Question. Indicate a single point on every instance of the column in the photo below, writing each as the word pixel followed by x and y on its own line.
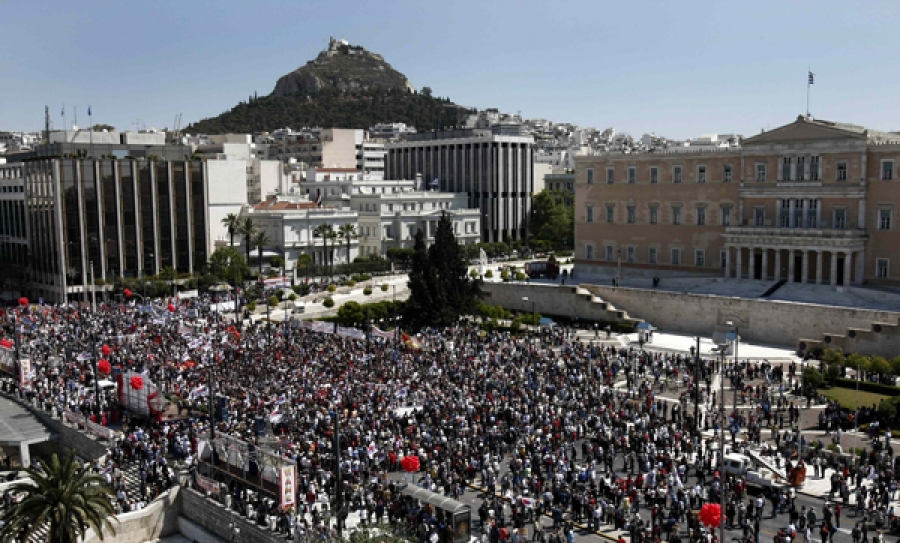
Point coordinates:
pixel 833 278
pixel 751 269
pixel 727 262
pixel 765 264
pixel 803 217
pixel 847 269
pixel 804 278
pixel 778 264
pixel 818 267
pixel 24 455
pixel 791 275
pixel 792 206
pixel 737 269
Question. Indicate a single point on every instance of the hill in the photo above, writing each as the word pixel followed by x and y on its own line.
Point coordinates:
pixel 346 86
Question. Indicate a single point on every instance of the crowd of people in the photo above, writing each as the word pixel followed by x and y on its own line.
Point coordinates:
pixel 540 423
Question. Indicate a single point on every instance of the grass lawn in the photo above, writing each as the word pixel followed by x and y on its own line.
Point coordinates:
pixel 847 397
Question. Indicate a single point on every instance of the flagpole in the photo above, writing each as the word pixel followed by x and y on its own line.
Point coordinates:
pixel 808 72
pixel 91 123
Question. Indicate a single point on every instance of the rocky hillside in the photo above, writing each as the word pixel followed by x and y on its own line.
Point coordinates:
pixel 346 86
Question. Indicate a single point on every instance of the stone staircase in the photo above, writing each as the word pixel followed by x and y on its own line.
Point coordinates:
pixel 606 310
pixel 880 338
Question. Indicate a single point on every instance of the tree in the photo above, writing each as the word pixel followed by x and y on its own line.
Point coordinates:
pixel 552 221
pixel 102 126
pixel 879 366
pixel 326 232
pixel 232 222
pixel 812 380
pixel 304 263
pixel 228 264
pixel 440 288
pixel 260 240
pixel 65 497
pixel 247 229
pixel 351 314
pixel 347 232
pixel 426 92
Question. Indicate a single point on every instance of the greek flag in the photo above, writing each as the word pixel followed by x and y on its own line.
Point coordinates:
pixel 812 78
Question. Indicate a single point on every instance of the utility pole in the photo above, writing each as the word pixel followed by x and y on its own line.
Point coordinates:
pixel 697 386
pixel 338 485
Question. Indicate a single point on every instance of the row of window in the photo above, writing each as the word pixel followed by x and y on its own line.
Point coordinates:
pixel 792 169
pixel 789 217
pixel 610 254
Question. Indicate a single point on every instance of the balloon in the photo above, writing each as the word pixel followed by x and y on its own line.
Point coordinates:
pixel 410 464
pixel 127 293
pixel 172 308
pixel 711 515
pixel 137 382
pixel 103 366
pixel 105 350
pixel 5 343
pixel 23 301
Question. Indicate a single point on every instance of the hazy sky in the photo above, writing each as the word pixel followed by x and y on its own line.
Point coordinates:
pixel 675 68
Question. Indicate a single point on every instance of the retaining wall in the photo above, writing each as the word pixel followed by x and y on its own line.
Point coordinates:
pixel 569 300
pixel 158 519
pixel 213 516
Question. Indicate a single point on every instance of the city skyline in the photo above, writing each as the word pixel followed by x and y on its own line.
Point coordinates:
pixel 681 71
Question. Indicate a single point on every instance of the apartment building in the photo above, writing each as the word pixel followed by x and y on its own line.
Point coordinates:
pixel 810 202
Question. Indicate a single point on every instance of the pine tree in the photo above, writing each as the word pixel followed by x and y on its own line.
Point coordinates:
pixel 419 308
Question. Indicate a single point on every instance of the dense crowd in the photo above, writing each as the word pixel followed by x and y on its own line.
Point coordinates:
pixel 533 420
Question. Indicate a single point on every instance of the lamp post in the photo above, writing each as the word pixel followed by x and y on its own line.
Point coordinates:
pixel 618 267
pixel 697 386
pixel 338 494
pixel 533 311
pixel 722 424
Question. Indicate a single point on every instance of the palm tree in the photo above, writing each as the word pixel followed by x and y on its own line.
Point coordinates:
pixel 64 497
pixel 347 232
pixel 260 239
pixel 246 228
pixel 326 232
pixel 232 222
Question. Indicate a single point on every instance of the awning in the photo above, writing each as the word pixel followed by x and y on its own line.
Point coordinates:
pixel 438 500
pixel 18 425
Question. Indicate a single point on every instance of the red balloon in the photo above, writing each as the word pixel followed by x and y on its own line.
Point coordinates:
pixel 137 382
pixel 410 464
pixel 711 515
pixel 5 343
pixel 23 301
pixel 127 293
pixel 103 366
pixel 172 308
pixel 105 350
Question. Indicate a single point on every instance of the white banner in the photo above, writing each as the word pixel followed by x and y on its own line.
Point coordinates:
pixel 26 374
pixel 288 486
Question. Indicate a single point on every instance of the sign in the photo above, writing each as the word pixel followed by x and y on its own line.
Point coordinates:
pixel 26 374
pixel 288 486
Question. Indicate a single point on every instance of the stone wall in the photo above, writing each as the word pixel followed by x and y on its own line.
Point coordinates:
pixel 571 301
pixel 158 519
pixel 763 321
pixel 213 516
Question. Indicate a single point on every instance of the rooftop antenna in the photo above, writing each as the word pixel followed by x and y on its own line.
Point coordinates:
pixel 46 124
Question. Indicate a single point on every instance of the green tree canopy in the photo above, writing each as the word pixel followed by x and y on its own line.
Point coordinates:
pixel 552 221
pixel 228 264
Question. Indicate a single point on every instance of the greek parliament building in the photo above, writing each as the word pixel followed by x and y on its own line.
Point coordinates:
pixel 809 202
pixel 495 171
pixel 117 217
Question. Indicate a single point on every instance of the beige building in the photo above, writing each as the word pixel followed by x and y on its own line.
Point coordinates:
pixel 809 202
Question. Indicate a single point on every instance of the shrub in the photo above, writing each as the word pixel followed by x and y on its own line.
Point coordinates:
pixel 473 274
pixel 331 288
pixel 251 305
pixel 520 276
pixel 351 283
pixel 489 274
pixel 367 291
pixel 273 301
pixel 292 297
pixel 384 287
pixel 329 302
pixel 867 386
pixel 504 275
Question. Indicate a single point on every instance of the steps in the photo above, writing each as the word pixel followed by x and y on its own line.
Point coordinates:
pixel 773 288
pixel 855 339
pixel 610 312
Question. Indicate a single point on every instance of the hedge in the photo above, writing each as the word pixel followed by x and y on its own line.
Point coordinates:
pixel 867 386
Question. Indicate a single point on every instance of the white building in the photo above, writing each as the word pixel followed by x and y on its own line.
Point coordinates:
pixel 390 131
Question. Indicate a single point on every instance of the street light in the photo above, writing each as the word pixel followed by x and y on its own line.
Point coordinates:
pixel 722 424
pixel 533 312
pixel 618 267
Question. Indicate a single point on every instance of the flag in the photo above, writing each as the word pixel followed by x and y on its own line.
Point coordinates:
pixel 63 112
pixel 812 78
pixel 89 111
pixel 435 182
pixel 319 199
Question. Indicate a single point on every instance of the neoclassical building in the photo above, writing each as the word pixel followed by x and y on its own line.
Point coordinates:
pixel 809 202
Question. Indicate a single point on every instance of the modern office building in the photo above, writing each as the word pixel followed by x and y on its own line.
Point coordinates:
pixel 809 202
pixel 494 170
pixel 115 217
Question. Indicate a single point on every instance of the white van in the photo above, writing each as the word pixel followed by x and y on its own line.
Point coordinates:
pixel 737 464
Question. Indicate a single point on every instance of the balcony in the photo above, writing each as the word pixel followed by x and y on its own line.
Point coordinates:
pixel 821 238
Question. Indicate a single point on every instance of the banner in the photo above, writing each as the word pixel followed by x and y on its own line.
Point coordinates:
pixel 97 429
pixel 350 333
pixel 26 374
pixel 74 417
pixel 207 484
pixel 288 487
pixel 376 331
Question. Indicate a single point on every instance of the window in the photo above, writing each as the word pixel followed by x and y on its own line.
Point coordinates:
pixel 812 214
pixel 676 214
pixel 760 173
pixel 726 173
pixel 701 215
pixel 631 214
pixel 723 259
pixel 632 174
pixel 882 267
pixel 676 257
pixel 630 253
pixel 611 213
pixel 588 213
pixel 842 171
pixel 785 213
pixel 884 219
pixel 701 174
pixel 589 251
pixel 609 253
pixel 887 170
pixel 814 168
pixel 651 255
pixel 840 219
pixel 699 258
pixel 654 214
pixel 589 176
pixel 654 175
pixel 786 168
pixel 801 168
pixel 676 174
pixel 759 216
pixel 610 176
pixel 726 216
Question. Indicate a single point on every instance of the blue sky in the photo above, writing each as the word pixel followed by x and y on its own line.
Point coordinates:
pixel 679 69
